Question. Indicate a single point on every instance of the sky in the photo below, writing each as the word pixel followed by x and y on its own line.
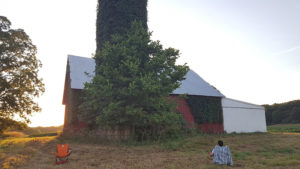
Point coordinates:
pixel 247 49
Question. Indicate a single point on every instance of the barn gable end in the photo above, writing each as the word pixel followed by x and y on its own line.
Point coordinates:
pixel 242 117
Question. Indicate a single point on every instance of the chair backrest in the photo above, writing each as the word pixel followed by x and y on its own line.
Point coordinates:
pixel 62 150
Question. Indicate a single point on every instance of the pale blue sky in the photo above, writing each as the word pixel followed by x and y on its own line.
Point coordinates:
pixel 248 49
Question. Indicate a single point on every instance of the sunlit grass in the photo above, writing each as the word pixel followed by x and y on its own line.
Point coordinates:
pixel 14 134
pixel 15 151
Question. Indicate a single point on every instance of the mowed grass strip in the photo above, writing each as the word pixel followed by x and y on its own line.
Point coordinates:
pixel 45 134
pixel 253 151
pixel 285 128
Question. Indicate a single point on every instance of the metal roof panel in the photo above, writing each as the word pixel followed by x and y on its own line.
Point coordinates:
pixel 82 70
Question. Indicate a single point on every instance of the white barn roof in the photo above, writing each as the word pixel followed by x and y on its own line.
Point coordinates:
pixel 82 70
pixel 195 85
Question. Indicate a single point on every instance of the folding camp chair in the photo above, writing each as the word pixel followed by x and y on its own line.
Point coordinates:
pixel 62 154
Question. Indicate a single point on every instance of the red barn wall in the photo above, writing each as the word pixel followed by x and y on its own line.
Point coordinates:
pixel 184 108
pixel 216 128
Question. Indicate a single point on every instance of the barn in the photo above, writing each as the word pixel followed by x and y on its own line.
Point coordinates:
pixel 243 117
pixel 205 108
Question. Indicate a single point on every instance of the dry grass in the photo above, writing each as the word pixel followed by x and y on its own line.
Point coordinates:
pixel 16 151
pixel 249 151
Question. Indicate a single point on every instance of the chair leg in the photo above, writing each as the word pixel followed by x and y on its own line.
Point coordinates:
pixel 61 161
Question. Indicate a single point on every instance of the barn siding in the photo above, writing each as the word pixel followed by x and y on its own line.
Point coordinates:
pixel 72 99
pixel 215 128
pixel 183 108
pixel 73 123
pixel 242 117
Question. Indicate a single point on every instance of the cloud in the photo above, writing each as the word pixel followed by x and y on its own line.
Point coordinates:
pixel 287 51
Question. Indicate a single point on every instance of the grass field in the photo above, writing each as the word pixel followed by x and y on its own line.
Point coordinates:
pixel 285 128
pixel 16 149
pixel 278 150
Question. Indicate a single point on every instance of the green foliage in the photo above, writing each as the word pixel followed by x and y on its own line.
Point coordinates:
pixel 205 109
pixel 39 130
pixel 288 112
pixel 132 85
pixel 116 16
pixel 7 123
pixel 19 82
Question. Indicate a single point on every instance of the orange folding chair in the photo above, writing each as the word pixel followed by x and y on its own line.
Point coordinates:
pixel 63 152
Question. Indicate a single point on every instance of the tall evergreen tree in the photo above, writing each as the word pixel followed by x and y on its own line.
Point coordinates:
pixel 133 83
pixel 116 16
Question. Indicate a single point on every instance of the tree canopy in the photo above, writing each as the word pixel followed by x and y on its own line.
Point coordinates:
pixel 19 81
pixel 288 112
pixel 132 85
pixel 115 17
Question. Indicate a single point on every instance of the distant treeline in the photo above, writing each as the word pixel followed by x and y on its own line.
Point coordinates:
pixel 39 130
pixel 288 112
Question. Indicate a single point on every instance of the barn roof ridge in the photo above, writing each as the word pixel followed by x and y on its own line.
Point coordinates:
pixel 247 103
pixel 193 84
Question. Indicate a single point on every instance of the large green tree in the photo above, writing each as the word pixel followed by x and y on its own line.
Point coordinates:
pixel 133 83
pixel 115 17
pixel 19 81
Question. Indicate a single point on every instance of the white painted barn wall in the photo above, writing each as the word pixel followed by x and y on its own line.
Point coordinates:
pixel 242 117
